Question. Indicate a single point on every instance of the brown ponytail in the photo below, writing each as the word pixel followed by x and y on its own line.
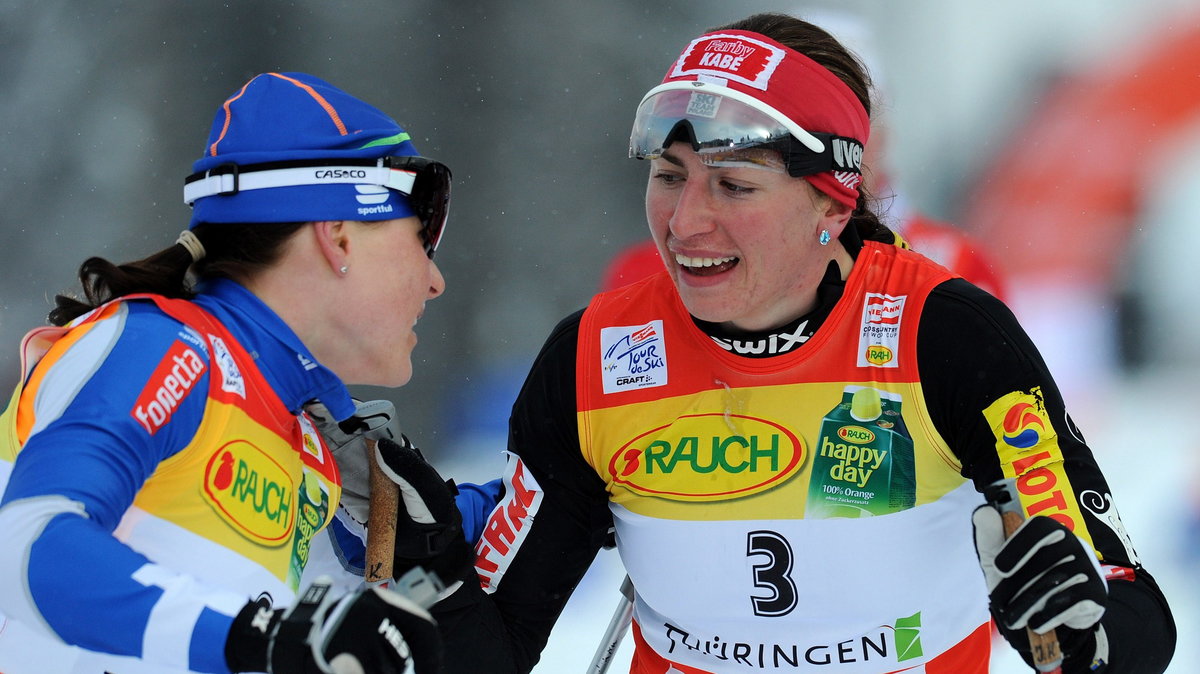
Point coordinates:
pixel 234 251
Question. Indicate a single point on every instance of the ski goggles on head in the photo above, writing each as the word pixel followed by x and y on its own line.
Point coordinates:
pixel 721 124
pixel 364 191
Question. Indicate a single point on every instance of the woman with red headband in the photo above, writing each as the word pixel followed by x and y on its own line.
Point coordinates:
pixel 791 427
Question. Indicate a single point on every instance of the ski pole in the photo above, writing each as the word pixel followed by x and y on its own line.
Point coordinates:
pixel 1002 495
pixel 615 633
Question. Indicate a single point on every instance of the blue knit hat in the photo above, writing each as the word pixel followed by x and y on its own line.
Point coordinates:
pixel 289 147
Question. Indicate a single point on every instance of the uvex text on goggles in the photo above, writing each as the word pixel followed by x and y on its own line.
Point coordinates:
pixel 734 90
pixel 425 182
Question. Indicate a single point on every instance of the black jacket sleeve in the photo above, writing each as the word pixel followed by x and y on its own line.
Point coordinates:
pixel 963 324
pixel 507 630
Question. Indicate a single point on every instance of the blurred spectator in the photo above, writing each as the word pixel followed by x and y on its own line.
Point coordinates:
pixel 1060 201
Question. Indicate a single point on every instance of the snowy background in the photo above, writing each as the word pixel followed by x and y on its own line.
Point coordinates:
pixel 1000 116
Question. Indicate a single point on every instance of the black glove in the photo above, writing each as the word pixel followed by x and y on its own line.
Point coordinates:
pixel 368 630
pixel 347 440
pixel 1044 577
pixel 429 525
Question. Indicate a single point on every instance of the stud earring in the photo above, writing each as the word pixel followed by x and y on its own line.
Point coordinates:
pixel 824 237
pixel 344 269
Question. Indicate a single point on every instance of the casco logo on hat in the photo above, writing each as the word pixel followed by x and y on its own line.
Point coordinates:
pixel 285 120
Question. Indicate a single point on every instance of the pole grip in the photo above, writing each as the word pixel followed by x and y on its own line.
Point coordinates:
pixel 1002 495
pixel 381 523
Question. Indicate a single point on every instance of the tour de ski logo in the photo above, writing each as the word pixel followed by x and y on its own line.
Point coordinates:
pixel 633 357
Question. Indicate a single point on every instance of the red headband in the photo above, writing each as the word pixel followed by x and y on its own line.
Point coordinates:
pixel 805 92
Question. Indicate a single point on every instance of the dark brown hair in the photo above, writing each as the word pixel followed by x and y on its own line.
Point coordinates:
pixel 233 251
pixel 818 45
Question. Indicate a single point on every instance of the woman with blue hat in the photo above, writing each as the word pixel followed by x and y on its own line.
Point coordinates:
pixel 166 491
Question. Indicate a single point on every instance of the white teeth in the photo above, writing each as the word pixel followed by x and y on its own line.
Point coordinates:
pixel 685 261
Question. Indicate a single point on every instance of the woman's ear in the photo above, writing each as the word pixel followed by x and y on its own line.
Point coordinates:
pixel 835 215
pixel 333 240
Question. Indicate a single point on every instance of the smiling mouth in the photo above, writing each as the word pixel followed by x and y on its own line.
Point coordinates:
pixel 705 266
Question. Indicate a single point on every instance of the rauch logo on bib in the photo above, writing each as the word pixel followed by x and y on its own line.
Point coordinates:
pixel 708 457
pixel 251 491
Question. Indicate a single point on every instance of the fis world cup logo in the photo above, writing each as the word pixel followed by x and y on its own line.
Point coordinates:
pixel 1023 428
pixel 879 336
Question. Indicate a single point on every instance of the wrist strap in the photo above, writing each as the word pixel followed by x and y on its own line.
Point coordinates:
pixel 298 632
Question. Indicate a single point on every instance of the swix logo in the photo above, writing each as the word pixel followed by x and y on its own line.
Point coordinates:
pixel 508 524
pixel 847 154
pixel 698 458
pixel 733 57
pixel 883 309
pixel 769 345
pixel 169 384
pixel 251 491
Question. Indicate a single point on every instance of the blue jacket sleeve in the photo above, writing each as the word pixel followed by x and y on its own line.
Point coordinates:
pixel 88 454
pixel 476 502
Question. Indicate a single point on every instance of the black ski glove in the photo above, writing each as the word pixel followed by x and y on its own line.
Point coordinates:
pixel 368 630
pixel 429 525
pixel 1044 577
